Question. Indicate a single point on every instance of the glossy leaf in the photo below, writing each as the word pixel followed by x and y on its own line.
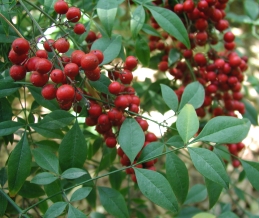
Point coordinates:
pixel 196 194
pixel 80 194
pixel 109 46
pixel 44 178
pixel 174 55
pixel 19 165
pixel 30 190
pixel 175 141
pixel 113 202
pixel 131 138
pixel 106 11
pixel 252 172
pixel 209 165
pixel 55 210
pixel 151 150
pixel 170 23
pixel 187 122
pixel 251 8
pixel 224 129
pixel 137 20
pixel 156 188
pixel 73 149
pixel 193 94
pixel 177 176
pixel 214 190
pixel 9 127
pixel 169 97
pixel 73 212
pixel 102 84
pixel 250 112
pixel 46 132
pixel 73 173
pixel 142 50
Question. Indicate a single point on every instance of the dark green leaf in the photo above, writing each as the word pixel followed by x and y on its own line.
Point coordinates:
pixel 5 110
pixel 156 188
pixel 46 132
pixel 175 141
pixel 241 176
pixel 102 84
pixel 108 157
pixel 188 212
pixel 177 176
pixel 9 127
pixel 193 94
pixel 196 194
pixel 80 194
pixel 110 47
pixel 73 149
pixel 48 145
pixel 250 112
pixel 173 56
pixel 44 178
pixel 131 138
pixel 30 190
pixel 252 172
pixel 73 212
pixel 240 193
pixel 228 214
pixel 116 178
pixel 3 176
pixel 55 210
pixel 251 9
pixel 209 165
pixel 224 129
pixel 7 88
pixel 151 150
pixel 170 23
pixel 46 160
pixel 19 165
pixel 113 202
pixel 137 20
pixel 187 122
pixel 73 173
pixel 142 50
pixel 3 204
pixel 223 152
pixel 53 188
pixel 169 97
pixel 150 30
pixel 214 191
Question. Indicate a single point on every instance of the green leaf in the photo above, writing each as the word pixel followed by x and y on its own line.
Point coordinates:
pixel 240 193
pixel 54 188
pixel 3 204
pixel 80 194
pixel 19 165
pixel 204 215
pixel 48 145
pixel 7 87
pixel 73 173
pixel 209 165
pixel 142 50
pixel 97 215
pixel 30 190
pixel 113 202
pixel 3 176
pixel 106 11
pixel 73 212
pixel 44 178
pixel 150 30
pixel 131 138
pixel 49 6
pixel 102 84
pixel 110 47
pixel 174 55
pixel 56 120
pixel 252 172
pixel 109 154
pixel 196 194
pixel 214 191
pixel 250 112
pixel 156 188
pixel 170 23
pixel 116 178
pixel 175 141
pixel 36 93
pixel 193 94
pixel 169 97
pixel 188 212
pixel 151 150
pixel 73 149
pixel 46 160
pixel 251 9
pixel 187 122
pixel 5 110
pixel 224 129
pixel 9 127
pixel 177 176
pixel 55 210
pixel 228 214
pixel 46 132
pixel 222 151
pixel 137 20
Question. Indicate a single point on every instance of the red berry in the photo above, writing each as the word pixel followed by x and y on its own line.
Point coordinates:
pixel 203 6
pixel 73 14
pixel 49 91
pixel 42 54
pixel 48 44
pixel 95 110
pixel 114 88
pixel 90 121
pixel 20 46
pixel 211 88
pixel 126 77
pixel 17 72
pixel 91 37
pixel 15 58
pixel 65 93
pixel 229 37
pixel 57 76
pixel 178 8
pixel 121 102
pixel 236 163
pixel 89 62
pixel 131 62
pixel 62 45
pixel 71 70
pixel 43 65
pixel 201 24
pixel 38 79
pixel 163 66
pixel 150 137
pixel 188 6
pixel 222 25
pixel 111 142
pixel 79 28
pixel 98 54
pixel 61 7
pixel 93 75
pixel 200 59
pixel 76 57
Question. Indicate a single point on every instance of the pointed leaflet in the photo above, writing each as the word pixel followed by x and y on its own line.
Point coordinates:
pixel 224 129
pixel 55 210
pixel 209 165
pixel 30 190
pixel 250 112
pixel 156 188
pixel 46 132
pixel 175 141
pixel 151 150
pixel 131 138
pixel 80 194
pixel 193 94
pixel 106 11
pixel 214 191
pixel 170 22
pixel 9 127
pixel 142 50
pixel 73 173
pixel 137 20
pixel 252 172
pixel 173 56
pixel 169 97
pixel 150 30
pixel 46 160
pixel 19 165
pixel 196 194
pixel 177 176
pixel 44 178
pixel 73 149
pixel 73 212
pixel 187 122
pixel 113 202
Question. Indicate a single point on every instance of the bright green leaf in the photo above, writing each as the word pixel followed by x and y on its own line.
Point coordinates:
pixel 73 173
pixel 44 178
pixel 80 194
pixel 169 97
pixel 55 210
pixel 251 8
pixel 137 20
pixel 151 150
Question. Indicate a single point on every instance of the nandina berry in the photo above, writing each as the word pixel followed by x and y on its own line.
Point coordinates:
pixel 49 91
pixel 114 115
pixel 163 66
pixel 201 24
pixel 240 146
pixel 103 119
pixel 229 37
pixel 200 59
pixel 203 6
pixel 91 37
pixel 221 25
pixel 73 14
pixel 121 102
pixel 16 58
pixel 150 137
pixel 188 6
pixel 131 62
pixel 93 75
pixel 65 105
pixel 57 76
pixel 114 88
pixel 126 76
pixel 20 46
pixel 98 54
pixel 211 76
pixel 71 70
pixel 134 108
pixel 61 7
pixel 17 72
pixel 43 65
pixel 38 79
pixel 41 54
pixel 79 28
pixel 234 61
pixel 178 8
pixel 76 57
pixel 90 121
pixel 120 152
pixel 135 100
pixel 211 89
pixel 216 15
pixel 229 45
pixel 62 45
pixel 143 124
pixel 30 65
pixel 50 43
pixel 95 110
pixel 236 163
pixel 65 93
pixel 89 62
pixel 111 142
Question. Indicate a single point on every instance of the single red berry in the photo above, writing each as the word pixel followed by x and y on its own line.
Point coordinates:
pixel 71 70
pixel 211 76
pixel 234 61
pixel 93 75
pixel 95 110
pixel 126 76
pixel 65 105
pixel 121 102
pixel 143 124
pixel 163 66
pixel 111 142
pixel 114 88
pixel 43 65
pixel 203 6
pixel 178 8
pixel 90 121
pixel 229 37
pixel 76 57
pixel 49 91
pixel 131 62
pixel 62 45
pixel 188 6
pixel 48 44
pixel 134 108
pixel 215 15
pixel 240 146
pixel 98 54
pixel 229 45
pixel 120 152
pixel 150 137
pixel 201 24
pixel 57 76
pixel 41 54
pixel 17 72
pixel 16 58
pixel 61 7
pixel 73 14
pixel 38 79
pixel 200 59
pixel 65 93
pixel 91 37
pixel 20 46
pixel 89 62
pixel 236 163
pixel 135 100
pixel 222 25
pixel 211 88
pixel 114 115
pixel 79 28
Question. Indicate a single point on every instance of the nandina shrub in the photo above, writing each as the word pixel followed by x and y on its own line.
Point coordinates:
pixel 73 124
